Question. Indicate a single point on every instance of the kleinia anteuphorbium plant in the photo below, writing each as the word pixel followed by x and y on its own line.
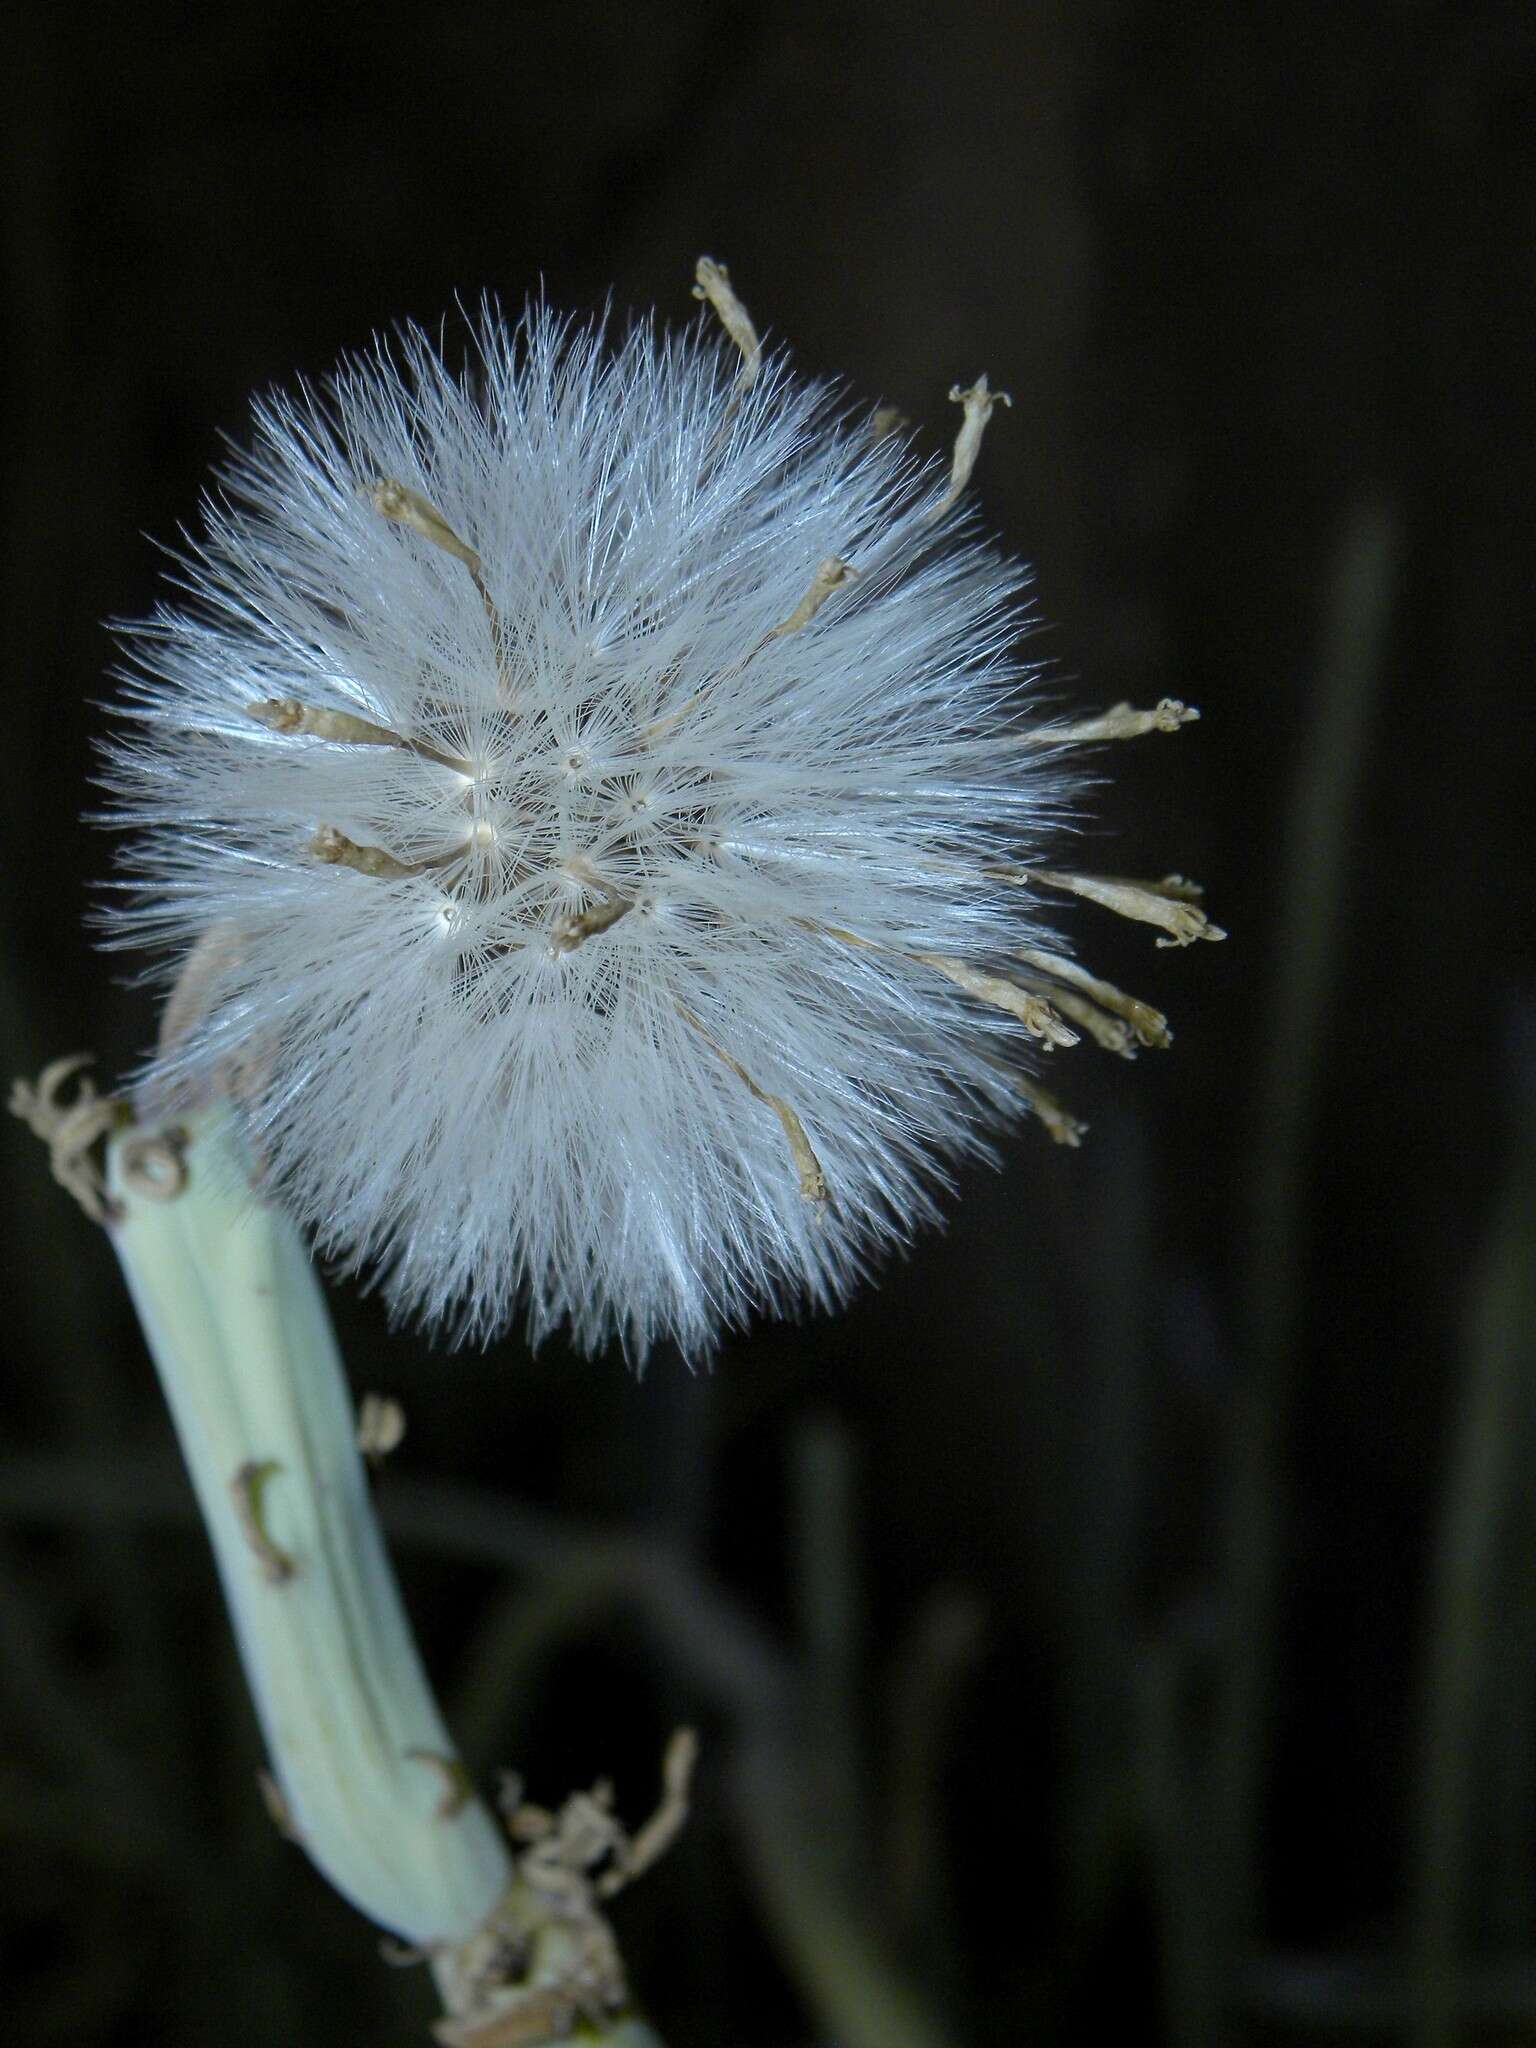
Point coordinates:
pixel 595 810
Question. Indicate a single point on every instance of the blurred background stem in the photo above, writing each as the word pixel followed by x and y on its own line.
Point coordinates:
pixel 824 1518
pixel 1472 1572
pixel 1304 949
pixel 823 1930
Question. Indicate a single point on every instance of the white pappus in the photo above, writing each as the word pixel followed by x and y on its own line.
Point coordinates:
pixel 589 802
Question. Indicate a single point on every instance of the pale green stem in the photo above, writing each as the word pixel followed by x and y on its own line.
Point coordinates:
pixel 240 1335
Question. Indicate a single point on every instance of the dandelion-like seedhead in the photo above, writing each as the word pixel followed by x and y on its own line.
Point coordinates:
pixel 591 805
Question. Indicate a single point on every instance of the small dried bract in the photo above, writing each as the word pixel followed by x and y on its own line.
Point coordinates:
pixel 380 1427
pixel 248 1492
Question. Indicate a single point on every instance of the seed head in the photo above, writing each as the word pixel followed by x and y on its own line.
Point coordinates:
pixel 589 803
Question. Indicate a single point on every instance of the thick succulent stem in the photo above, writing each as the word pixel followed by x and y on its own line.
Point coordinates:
pixel 367 1777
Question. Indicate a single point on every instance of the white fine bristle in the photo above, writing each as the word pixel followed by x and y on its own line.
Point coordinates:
pixel 680 879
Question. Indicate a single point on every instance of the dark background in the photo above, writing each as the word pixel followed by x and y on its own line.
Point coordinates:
pixel 1127 1612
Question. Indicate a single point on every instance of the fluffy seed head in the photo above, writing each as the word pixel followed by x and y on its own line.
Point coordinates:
pixel 586 799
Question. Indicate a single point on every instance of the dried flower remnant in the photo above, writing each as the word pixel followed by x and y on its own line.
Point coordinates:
pixel 71 1130
pixel 1169 903
pixel 712 281
pixel 599 797
pixel 1061 1127
pixel 1120 722
pixel 977 405
pixel 546 1961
